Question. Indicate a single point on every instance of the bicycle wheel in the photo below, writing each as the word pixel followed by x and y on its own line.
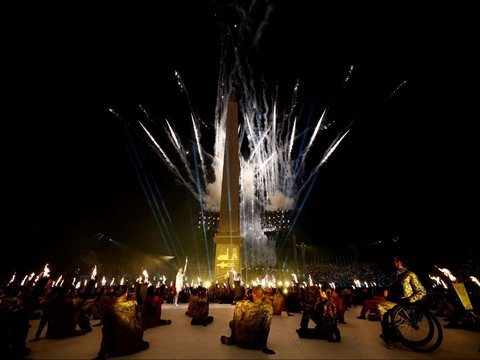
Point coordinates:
pixel 417 329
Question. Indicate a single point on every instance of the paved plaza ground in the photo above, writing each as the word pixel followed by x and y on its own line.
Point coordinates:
pixel 180 340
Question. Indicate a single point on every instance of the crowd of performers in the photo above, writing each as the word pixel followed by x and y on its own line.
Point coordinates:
pixel 125 312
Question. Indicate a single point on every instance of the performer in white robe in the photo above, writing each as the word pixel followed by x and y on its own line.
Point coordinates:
pixel 178 284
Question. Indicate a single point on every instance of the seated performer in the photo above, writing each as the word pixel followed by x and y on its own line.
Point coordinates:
pixel 278 303
pixel 370 306
pixel 324 314
pixel 251 323
pixel 200 308
pixel 152 309
pixel 405 288
pixel 121 331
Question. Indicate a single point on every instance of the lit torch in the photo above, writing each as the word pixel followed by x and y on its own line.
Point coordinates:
pixel 46 271
pixel 448 274
pixel 94 273
pixel 438 281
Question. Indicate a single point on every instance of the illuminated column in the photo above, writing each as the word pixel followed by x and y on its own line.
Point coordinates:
pixel 228 241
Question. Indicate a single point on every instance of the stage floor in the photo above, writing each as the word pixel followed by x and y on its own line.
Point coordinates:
pixel 180 340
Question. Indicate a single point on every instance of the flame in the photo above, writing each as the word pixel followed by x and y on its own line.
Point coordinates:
pixel 447 273
pixel 13 278
pixel 94 273
pixel 46 271
pixel 439 281
pixel 475 280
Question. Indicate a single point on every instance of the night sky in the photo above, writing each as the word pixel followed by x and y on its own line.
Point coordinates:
pixel 406 170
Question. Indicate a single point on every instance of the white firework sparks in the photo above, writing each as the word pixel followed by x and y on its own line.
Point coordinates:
pixel 271 153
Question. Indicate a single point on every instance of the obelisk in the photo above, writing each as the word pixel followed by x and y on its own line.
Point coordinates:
pixel 228 240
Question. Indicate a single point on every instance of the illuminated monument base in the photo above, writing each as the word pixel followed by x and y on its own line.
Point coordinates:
pixel 228 252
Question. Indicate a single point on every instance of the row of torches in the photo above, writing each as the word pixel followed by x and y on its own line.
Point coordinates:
pixel 438 281
pixel 266 282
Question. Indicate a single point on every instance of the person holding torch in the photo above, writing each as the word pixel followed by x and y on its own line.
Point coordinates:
pixel 179 281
